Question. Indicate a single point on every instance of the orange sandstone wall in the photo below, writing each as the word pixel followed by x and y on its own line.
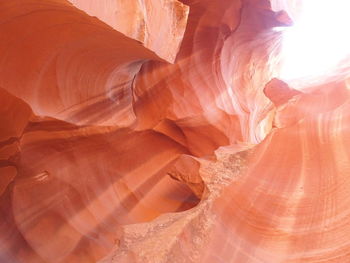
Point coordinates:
pixel 157 131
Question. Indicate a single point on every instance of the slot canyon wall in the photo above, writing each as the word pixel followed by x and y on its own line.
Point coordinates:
pixel 159 131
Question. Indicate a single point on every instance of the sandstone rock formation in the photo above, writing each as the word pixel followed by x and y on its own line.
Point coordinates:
pixel 159 131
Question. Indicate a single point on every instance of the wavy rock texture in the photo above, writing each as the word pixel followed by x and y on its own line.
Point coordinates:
pixel 159 131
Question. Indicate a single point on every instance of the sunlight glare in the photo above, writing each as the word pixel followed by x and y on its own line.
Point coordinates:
pixel 318 40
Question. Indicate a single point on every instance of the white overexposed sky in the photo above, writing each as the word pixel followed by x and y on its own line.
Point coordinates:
pixel 319 39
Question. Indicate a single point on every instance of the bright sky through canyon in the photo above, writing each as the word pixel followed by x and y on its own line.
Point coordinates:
pixel 318 41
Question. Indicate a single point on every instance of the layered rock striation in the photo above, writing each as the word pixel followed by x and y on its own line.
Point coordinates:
pixel 160 131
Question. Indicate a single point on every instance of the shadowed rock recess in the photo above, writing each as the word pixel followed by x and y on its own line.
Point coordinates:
pixel 159 131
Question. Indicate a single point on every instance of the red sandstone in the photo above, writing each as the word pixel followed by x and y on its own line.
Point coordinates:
pixel 157 131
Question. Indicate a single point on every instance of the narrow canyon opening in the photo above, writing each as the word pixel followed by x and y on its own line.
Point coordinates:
pixel 174 131
pixel 316 46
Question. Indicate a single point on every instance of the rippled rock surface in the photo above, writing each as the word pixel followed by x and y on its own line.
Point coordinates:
pixel 159 131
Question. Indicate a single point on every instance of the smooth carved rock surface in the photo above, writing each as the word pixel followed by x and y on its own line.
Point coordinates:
pixel 158 24
pixel 157 131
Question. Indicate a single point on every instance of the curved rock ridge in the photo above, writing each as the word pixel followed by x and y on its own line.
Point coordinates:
pixel 203 93
pixel 54 46
pixel 159 131
pixel 283 200
pixel 50 189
